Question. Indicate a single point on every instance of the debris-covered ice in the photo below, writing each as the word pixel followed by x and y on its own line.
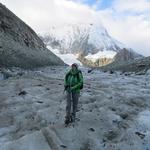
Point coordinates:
pixel 113 112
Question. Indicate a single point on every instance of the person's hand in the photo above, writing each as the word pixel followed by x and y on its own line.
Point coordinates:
pixel 65 86
pixel 72 88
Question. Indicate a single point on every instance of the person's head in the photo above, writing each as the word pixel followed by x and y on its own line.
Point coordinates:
pixel 74 66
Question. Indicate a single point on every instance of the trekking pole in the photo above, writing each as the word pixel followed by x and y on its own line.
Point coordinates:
pixel 64 91
pixel 65 88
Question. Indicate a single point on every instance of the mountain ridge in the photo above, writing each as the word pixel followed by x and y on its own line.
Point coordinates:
pixel 19 44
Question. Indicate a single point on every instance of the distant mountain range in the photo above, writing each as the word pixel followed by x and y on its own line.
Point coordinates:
pixel 86 44
pixel 90 43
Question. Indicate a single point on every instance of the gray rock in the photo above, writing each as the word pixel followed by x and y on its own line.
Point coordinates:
pixel 139 66
pixel 1 76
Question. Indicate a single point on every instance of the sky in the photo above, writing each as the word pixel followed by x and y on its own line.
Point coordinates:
pixel 128 21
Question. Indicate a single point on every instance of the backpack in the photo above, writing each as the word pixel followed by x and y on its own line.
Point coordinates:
pixel 81 87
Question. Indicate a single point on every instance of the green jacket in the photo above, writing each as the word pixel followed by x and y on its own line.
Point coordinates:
pixel 73 81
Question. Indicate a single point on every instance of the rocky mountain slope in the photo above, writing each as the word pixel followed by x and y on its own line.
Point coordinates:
pixel 19 44
pixel 125 55
pixel 113 112
pixel 140 66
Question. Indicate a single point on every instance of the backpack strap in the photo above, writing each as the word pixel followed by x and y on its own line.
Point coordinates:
pixel 66 77
pixel 75 75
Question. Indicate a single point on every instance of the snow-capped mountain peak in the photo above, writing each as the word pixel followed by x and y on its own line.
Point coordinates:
pixel 90 41
pixel 87 38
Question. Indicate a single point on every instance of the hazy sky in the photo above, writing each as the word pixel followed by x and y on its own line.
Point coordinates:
pixel 126 20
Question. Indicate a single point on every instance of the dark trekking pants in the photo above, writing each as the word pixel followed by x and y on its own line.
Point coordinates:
pixel 72 104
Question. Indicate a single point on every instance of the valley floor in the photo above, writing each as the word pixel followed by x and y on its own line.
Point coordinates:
pixel 113 113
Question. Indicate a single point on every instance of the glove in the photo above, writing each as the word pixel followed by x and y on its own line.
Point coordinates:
pixel 65 87
pixel 72 88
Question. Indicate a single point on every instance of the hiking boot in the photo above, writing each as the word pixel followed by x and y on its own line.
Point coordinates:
pixel 73 118
pixel 67 121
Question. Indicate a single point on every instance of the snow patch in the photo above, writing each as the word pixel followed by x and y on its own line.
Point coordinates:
pixel 67 58
pixel 144 119
pixel 101 54
pixel 35 141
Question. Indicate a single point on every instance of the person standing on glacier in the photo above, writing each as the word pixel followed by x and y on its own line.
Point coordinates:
pixel 73 84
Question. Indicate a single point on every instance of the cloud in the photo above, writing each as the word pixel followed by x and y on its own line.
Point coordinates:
pixel 127 21
pixel 41 14
pixel 132 6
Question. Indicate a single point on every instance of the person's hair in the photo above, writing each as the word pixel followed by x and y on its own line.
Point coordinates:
pixel 74 64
